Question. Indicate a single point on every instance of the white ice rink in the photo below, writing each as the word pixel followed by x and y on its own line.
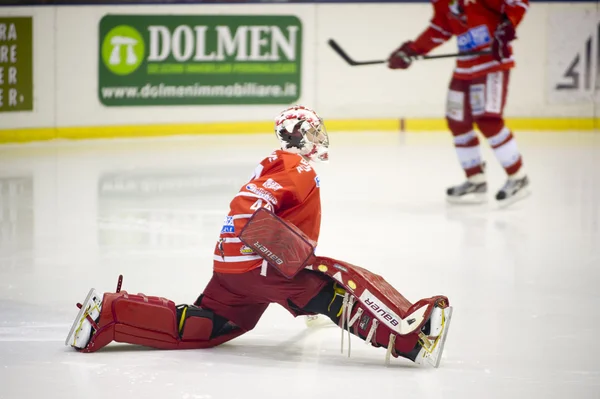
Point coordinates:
pixel 524 281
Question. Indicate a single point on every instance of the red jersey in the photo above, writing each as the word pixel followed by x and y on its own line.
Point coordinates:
pixel 286 184
pixel 473 23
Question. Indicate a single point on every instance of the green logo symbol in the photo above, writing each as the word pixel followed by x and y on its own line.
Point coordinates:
pixel 123 50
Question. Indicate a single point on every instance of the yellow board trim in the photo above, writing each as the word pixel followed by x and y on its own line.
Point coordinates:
pixel 531 124
pixel 341 125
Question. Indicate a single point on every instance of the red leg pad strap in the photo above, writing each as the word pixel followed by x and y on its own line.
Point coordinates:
pixel 197 327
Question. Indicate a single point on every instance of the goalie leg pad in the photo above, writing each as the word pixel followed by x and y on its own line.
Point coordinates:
pixel 376 312
pixel 155 322
pixel 359 319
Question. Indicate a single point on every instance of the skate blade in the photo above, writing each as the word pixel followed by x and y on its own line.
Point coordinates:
pixel 77 322
pixel 442 343
pixel 468 199
pixel 524 193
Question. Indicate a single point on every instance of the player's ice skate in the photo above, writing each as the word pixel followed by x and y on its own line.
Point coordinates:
pixel 513 190
pixel 433 338
pixel 472 191
pixel 84 323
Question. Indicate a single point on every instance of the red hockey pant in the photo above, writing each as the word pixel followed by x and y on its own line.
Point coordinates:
pixel 243 298
pixel 480 101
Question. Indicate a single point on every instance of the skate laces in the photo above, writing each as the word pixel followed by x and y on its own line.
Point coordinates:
pixel 425 342
pixel 347 321
pixel 87 316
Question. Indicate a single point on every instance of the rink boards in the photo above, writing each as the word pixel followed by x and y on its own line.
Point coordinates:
pixel 68 86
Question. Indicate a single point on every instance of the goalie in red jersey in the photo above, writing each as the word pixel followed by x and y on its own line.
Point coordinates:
pixel 265 254
pixel 478 89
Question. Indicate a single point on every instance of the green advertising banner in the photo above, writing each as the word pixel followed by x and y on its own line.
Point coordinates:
pixel 199 59
pixel 16 65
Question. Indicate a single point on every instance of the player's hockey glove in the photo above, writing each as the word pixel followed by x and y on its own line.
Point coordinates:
pixel 504 34
pixel 401 58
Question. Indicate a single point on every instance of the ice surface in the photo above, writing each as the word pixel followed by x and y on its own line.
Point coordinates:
pixel 524 281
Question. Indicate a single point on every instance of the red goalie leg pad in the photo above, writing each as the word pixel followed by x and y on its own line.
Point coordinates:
pixel 360 321
pixel 379 300
pixel 149 321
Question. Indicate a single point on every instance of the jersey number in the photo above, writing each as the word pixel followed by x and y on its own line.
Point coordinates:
pixel 259 204
pixel 303 167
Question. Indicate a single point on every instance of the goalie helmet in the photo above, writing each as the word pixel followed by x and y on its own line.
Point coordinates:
pixel 301 131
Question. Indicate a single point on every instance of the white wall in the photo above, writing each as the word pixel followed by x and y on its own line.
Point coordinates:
pixel 66 66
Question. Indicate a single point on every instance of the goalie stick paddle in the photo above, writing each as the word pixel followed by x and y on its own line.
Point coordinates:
pixel 336 47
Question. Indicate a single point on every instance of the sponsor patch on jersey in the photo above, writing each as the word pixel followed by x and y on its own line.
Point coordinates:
pixel 477 99
pixel 494 90
pixel 473 38
pixel 272 185
pixel 455 105
pixel 262 193
pixel 228 225
pixel 318 181
pixel 246 250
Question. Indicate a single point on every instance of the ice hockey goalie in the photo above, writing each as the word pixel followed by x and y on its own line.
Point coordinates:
pixel 266 254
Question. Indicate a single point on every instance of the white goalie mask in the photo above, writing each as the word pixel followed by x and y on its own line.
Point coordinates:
pixel 301 131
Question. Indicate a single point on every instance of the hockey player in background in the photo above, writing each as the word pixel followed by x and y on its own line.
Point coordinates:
pixel 478 88
pixel 264 255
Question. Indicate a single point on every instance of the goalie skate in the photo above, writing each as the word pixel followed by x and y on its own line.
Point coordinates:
pixel 433 340
pixel 85 322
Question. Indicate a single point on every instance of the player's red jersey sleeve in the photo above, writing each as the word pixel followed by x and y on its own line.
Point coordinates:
pixel 438 31
pixel 285 184
pixel 514 10
pixel 474 24
pixel 306 212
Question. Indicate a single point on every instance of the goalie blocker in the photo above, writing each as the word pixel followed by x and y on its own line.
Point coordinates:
pixel 360 302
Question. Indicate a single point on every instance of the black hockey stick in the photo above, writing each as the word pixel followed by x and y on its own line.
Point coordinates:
pixel 336 47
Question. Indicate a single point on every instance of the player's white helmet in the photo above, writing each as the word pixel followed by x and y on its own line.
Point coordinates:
pixel 301 131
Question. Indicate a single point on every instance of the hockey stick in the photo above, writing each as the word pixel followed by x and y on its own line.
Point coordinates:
pixel 336 47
